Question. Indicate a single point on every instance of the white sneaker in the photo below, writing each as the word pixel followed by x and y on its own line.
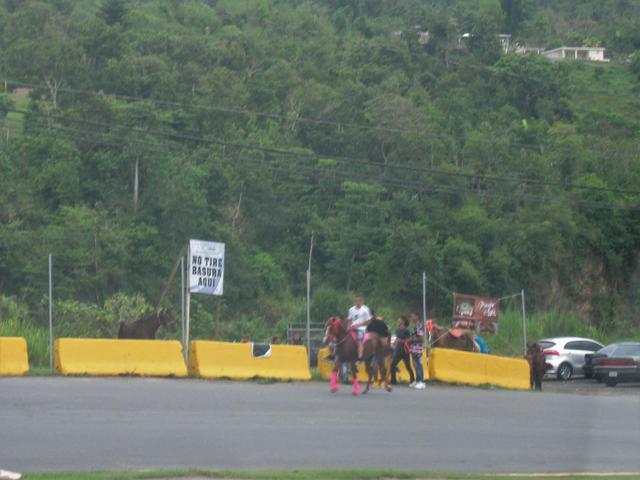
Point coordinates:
pixel 412 385
pixel 420 386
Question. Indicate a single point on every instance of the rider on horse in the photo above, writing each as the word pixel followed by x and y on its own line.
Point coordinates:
pixel 360 316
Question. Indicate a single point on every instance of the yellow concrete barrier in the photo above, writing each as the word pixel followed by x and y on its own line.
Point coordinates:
pixel 236 361
pixel 89 356
pixel 455 366
pixel 14 359
pixel 326 366
pixel 508 372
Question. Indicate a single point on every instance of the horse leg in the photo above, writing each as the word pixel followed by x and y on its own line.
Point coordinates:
pixel 532 377
pixel 333 381
pixel 356 382
pixel 383 373
pixel 539 375
pixel 369 377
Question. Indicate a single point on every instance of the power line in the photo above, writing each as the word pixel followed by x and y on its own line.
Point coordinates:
pixel 303 119
pixel 312 155
pixel 394 182
pixel 402 183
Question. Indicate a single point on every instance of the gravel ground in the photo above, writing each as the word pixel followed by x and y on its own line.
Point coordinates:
pixel 585 386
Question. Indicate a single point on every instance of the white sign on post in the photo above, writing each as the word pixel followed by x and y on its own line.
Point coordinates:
pixel 206 267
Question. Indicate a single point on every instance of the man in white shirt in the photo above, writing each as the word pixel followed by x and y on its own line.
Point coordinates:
pixel 360 317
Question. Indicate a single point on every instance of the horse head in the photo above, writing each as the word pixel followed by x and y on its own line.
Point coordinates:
pixel 533 350
pixel 333 329
pixel 166 319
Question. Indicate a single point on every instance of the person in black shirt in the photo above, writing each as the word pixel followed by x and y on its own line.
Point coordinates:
pixel 378 326
pixel 401 353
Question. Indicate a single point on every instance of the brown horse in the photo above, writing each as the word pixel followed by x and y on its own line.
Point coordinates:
pixel 346 352
pixel 374 353
pixel 146 326
pixel 440 337
pixel 535 357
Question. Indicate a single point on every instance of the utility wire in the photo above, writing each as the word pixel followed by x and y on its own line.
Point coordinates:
pixel 400 183
pixel 303 119
pixel 319 170
pixel 364 162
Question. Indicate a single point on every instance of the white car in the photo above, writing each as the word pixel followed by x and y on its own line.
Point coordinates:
pixel 564 356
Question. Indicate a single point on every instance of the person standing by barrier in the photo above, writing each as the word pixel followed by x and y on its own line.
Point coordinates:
pixel 360 316
pixel 401 350
pixel 416 350
pixel 481 344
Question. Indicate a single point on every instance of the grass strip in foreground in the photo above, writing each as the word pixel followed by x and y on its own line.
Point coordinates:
pixel 318 475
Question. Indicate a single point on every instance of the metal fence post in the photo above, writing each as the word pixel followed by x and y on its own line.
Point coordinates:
pixel 184 347
pixel 424 309
pixel 308 329
pixel 50 313
pixel 524 322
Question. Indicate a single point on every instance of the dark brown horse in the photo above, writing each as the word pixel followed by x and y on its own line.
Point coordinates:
pixel 535 357
pixel 440 337
pixel 374 353
pixel 346 351
pixel 146 326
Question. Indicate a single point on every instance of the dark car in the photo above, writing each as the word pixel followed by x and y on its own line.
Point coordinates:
pixel 590 358
pixel 621 364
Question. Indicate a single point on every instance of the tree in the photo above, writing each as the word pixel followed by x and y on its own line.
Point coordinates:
pixel 528 82
pixel 113 12
pixel 6 105
pixel 635 64
pixel 43 50
pixel 485 27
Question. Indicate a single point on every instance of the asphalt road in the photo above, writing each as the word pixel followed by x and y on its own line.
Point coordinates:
pixel 57 424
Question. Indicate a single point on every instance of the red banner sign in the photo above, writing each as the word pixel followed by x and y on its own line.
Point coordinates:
pixel 475 313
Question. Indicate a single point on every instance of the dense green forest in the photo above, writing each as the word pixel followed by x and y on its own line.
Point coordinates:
pixel 373 125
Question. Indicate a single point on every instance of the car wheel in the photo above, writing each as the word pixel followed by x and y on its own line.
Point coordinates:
pixel 611 382
pixel 565 371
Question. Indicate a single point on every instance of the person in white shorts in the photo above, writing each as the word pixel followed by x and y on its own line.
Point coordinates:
pixel 360 317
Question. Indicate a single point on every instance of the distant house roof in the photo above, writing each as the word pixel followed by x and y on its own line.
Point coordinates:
pixel 22 91
pixel 592 54
pixel 577 49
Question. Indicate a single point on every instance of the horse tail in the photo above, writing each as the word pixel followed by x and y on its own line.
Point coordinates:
pixel 121 330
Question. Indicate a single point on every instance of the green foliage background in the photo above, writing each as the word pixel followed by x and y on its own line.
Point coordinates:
pixel 260 122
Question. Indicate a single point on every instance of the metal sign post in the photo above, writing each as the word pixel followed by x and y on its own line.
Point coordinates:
pixel 182 288
pixel 424 309
pixel 308 329
pixel 524 322
pixel 50 312
pixel 308 326
pixel 206 276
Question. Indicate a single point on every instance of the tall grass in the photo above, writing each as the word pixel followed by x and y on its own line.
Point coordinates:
pixel 84 320
pixel 509 339
pixel 37 339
